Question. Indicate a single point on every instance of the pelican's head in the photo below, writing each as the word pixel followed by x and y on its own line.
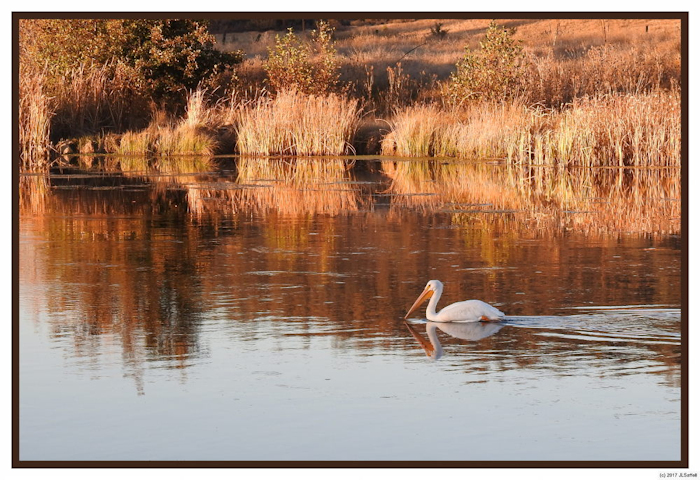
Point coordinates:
pixel 431 287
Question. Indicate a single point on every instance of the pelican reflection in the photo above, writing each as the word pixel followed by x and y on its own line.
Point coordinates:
pixel 473 331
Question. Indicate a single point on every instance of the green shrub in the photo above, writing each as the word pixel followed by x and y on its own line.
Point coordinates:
pixel 493 73
pixel 172 55
pixel 327 68
pixel 166 57
pixel 311 68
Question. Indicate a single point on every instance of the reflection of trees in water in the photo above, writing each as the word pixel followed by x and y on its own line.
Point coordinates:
pixel 139 258
pixel 605 200
pixel 120 263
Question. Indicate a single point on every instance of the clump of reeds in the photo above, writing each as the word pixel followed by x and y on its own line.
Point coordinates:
pixel 134 143
pixel 184 140
pixel 484 129
pixel 413 131
pixel 192 135
pixel 617 129
pixel 487 129
pixel 35 113
pixel 91 98
pixel 176 140
pixel 293 123
pixel 627 129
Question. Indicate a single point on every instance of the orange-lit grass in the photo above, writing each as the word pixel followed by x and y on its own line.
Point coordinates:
pixel 618 129
pixel 296 124
pixel 476 130
pixel 567 58
pixel 189 136
pixel 640 130
pixel 35 113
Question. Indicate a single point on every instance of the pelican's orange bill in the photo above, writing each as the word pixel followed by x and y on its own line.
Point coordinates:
pixel 427 293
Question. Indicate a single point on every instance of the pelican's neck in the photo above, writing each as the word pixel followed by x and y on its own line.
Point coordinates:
pixel 430 312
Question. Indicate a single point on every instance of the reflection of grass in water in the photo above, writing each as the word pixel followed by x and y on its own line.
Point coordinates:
pixel 291 200
pixel 133 163
pixel 289 187
pixel 170 165
pixel 611 199
pixel 293 188
pixel 298 171
pixel 33 193
pixel 413 183
pixel 184 164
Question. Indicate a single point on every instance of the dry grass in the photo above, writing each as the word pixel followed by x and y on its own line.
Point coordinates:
pixel 477 130
pixel 191 135
pixel 568 58
pixel 619 129
pixel 185 140
pixel 134 143
pixel 577 69
pixel 605 69
pixel 414 131
pixel 92 99
pixel 166 148
pixel 295 124
pixel 35 113
pixel 622 130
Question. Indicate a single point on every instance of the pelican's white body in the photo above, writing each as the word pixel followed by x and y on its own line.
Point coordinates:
pixel 467 311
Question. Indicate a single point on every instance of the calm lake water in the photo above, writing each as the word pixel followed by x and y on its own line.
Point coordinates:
pixel 255 312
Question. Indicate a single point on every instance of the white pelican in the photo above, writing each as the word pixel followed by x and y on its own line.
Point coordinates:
pixel 467 311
